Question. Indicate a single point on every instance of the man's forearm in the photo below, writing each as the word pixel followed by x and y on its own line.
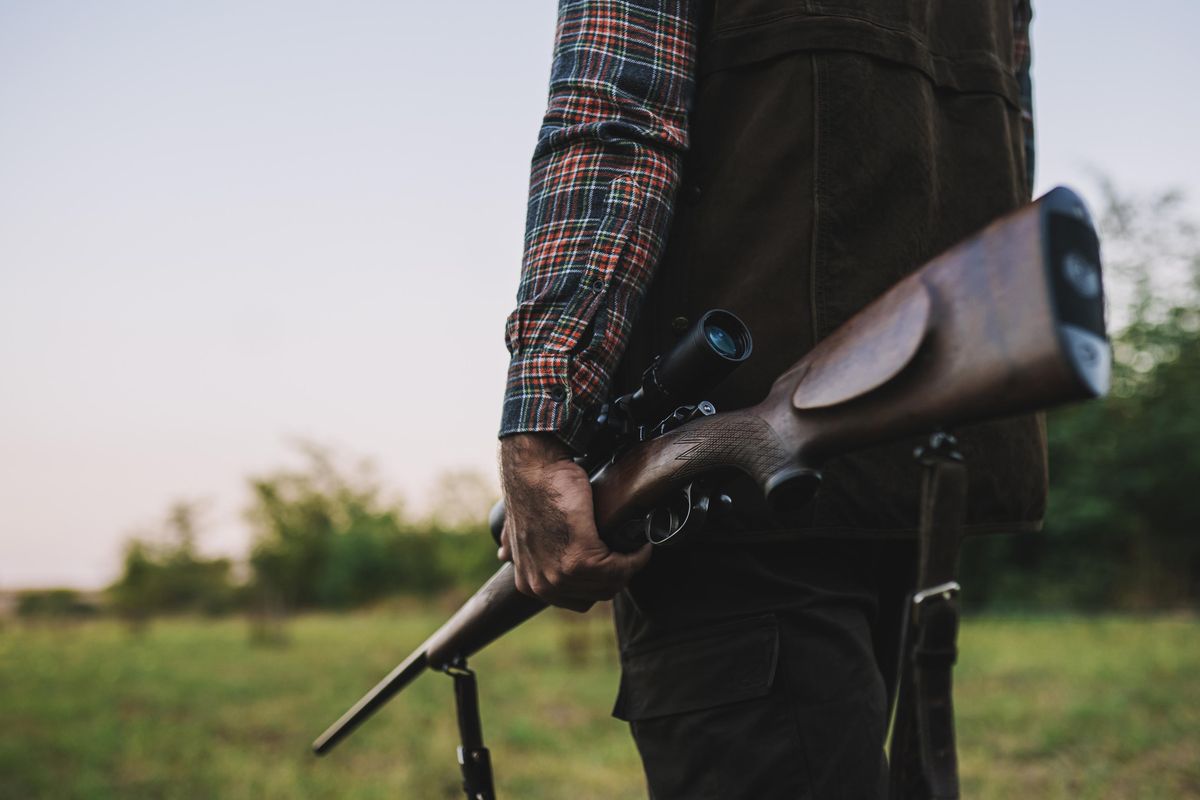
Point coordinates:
pixel 604 175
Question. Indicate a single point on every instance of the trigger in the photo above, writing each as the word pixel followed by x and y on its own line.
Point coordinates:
pixel 680 518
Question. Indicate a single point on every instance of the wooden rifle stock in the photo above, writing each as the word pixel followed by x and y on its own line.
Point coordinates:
pixel 1007 322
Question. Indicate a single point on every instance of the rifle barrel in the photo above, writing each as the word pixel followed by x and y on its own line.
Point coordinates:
pixel 491 612
pixel 396 680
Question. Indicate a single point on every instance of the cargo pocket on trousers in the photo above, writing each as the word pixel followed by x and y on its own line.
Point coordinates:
pixel 705 718
pixel 717 665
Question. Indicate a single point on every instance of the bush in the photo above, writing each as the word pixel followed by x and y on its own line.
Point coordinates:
pixel 55 604
pixel 324 537
pixel 164 574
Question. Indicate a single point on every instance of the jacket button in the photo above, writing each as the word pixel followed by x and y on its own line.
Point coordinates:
pixel 558 394
pixel 679 324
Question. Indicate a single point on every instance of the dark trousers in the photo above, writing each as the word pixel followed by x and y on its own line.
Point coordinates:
pixel 764 670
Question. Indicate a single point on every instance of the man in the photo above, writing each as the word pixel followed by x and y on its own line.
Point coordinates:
pixel 788 161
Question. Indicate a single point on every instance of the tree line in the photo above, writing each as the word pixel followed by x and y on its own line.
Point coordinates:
pixel 323 537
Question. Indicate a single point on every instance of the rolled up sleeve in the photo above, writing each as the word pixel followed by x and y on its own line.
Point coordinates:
pixel 604 174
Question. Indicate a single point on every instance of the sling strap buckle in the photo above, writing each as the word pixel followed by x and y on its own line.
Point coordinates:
pixel 942 592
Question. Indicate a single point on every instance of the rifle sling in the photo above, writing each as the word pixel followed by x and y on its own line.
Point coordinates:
pixel 923 757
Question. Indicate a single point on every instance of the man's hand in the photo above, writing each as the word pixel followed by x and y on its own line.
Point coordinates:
pixel 550 528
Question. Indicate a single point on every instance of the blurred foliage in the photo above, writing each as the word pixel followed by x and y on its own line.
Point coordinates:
pixel 55 604
pixel 164 573
pixel 1121 528
pixel 325 537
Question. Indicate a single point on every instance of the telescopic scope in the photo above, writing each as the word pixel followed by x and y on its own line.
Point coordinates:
pixel 710 349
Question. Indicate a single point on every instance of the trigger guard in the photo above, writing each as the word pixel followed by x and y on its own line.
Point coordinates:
pixel 678 519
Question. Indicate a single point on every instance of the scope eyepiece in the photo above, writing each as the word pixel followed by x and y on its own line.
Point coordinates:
pixel 705 355
pixel 722 340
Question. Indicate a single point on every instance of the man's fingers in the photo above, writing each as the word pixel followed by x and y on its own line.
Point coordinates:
pixel 595 577
pixel 578 579
pixel 547 589
pixel 503 553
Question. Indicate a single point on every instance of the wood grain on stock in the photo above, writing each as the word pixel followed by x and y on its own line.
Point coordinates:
pixel 969 337
pixel 738 439
pixel 865 353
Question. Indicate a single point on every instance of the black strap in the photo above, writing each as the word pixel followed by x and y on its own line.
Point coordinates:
pixel 923 758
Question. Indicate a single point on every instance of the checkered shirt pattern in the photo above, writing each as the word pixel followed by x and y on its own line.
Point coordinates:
pixel 605 170
pixel 604 174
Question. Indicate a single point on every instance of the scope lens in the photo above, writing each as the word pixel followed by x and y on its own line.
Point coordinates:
pixel 721 340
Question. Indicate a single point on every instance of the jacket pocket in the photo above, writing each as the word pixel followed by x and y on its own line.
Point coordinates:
pixel 720 665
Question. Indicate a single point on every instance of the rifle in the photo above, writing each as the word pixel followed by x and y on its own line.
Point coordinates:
pixel 1007 322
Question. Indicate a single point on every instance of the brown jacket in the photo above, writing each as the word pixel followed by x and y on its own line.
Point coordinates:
pixel 837 146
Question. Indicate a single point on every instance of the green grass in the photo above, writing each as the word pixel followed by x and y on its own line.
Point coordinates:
pixel 1047 708
pixel 1080 707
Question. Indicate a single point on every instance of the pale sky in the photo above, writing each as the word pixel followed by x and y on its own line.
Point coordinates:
pixel 226 225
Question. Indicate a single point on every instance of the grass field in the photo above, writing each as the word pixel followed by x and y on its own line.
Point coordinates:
pixel 1048 708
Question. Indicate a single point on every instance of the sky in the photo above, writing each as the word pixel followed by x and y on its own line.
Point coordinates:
pixel 229 226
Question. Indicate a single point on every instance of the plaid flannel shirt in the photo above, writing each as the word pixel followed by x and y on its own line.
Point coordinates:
pixel 605 169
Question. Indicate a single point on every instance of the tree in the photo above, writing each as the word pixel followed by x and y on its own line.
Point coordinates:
pixel 324 536
pixel 1124 471
pixel 163 572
